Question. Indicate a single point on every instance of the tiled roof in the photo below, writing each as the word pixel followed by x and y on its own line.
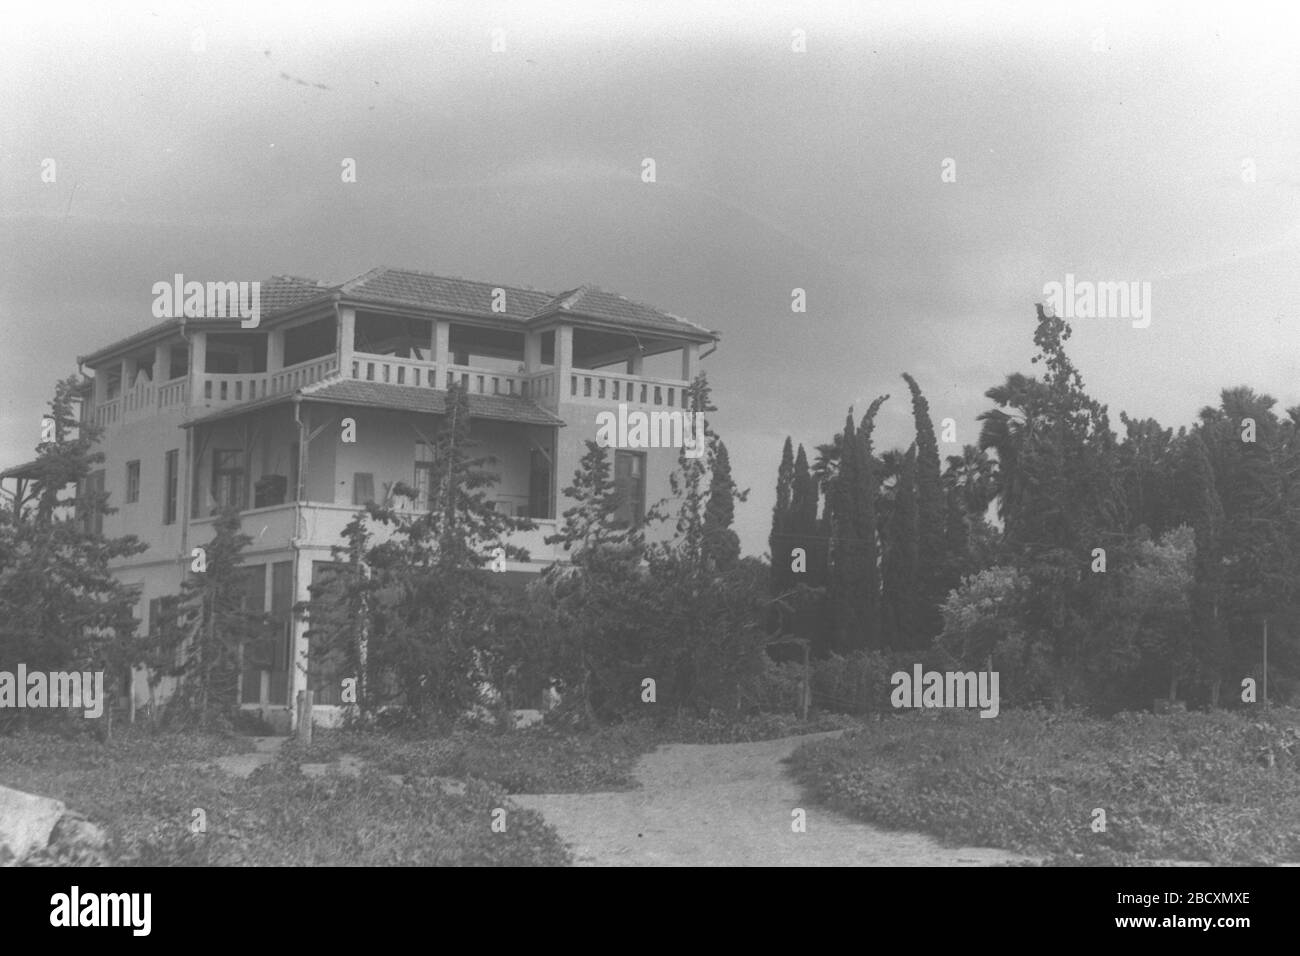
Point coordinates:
pixel 406 287
pixel 438 292
pixel 285 292
pixel 344 391
pixel 424 290
pixel 598 304
pixel 503 408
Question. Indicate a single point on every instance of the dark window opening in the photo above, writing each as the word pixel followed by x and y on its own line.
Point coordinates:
pixel 629 480
pixel 132 482
pixel 227 479
pixel 171 485
pixel 540 501
pixel 363 487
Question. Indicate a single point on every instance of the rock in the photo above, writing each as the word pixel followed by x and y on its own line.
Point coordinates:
pixel 26 822
pixel 75 830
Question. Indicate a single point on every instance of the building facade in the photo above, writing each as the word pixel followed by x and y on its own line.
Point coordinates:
pixel 334 397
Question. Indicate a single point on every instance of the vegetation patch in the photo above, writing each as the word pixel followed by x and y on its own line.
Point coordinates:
pixel 144 790
pixel 1211 786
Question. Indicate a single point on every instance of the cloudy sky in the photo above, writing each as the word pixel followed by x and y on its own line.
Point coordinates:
pixel 1136 143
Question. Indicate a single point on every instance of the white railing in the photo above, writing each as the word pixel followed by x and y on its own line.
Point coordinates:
pixel 391 370
pixel 320 525
pixel 548 386
pixel 592 387
pixel 176 392
pixel 215 389
pixel 480 381
pixel 107 413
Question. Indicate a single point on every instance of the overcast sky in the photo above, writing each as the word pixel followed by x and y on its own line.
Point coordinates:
pixel 1107 143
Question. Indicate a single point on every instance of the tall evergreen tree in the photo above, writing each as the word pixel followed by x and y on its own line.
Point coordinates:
pixel 721 544
pixel 779 539
pixel 61 606
pixel 854 569
pixel 901 575
pixel 932 560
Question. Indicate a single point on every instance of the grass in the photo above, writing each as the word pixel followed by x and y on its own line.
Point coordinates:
pixel 1188 786
pixel 145 788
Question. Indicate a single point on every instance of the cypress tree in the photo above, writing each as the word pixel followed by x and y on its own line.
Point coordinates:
pixel 932 561
pixel 721 544
pixel 779 539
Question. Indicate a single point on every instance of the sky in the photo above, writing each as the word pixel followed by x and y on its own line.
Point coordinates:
pixel 921 171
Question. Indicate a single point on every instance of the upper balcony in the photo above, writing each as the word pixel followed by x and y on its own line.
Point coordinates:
pixel 586 347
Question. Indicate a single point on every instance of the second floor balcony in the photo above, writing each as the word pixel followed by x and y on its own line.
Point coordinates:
pixel 213 369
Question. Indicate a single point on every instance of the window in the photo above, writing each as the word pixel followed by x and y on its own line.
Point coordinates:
pixel 629 480
pixel 539 486
pixel 132 482
pixel 363 487
pixel 227 478
pixel 282 615
pixel 171 484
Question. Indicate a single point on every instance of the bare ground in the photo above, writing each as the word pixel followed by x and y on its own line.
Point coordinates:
pixel 730 805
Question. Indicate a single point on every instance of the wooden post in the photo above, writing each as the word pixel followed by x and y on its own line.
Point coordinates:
pixel 304 717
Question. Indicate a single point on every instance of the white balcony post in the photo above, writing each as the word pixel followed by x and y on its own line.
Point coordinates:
pixel 532 351
pixel 690 362
pixel 347 339
pixel 564 361
pixel 442 348
pixel 198 365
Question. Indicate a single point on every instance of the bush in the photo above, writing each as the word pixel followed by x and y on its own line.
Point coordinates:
pixel 778 687
pixel 1187 786
pixel 860 682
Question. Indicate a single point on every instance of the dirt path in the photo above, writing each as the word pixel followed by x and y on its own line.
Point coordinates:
pixel 729 805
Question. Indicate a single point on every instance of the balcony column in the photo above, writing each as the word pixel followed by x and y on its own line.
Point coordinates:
pixel 564 362
pixel 532 351
pixel 690 362
pixel 635 363
pixel 100 394
pixel 198 366
pixel 347 336
pixel 129 368
pixel 441 348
